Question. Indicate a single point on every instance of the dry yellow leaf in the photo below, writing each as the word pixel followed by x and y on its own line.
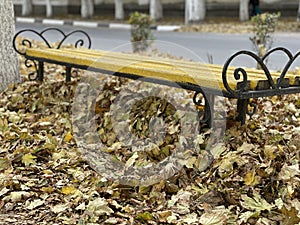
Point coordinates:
pixel 270 151
pixel 48 172
pixel 250 179
pixel 68 190
pixel 48 190
pixel 28 159
pixel 68 137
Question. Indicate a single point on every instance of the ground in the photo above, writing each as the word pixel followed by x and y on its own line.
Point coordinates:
pixel 250 176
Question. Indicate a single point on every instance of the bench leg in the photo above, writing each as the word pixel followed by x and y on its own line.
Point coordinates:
pixel 242 109
pixel 205 115
pixel 210 109
pixel 40 71
pixel 68 73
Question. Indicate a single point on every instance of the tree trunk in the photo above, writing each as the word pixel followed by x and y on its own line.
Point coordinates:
pixel 87 8
pixel 26 7
pixel 244 10
pixel 9 65
pixel 49 11
pixel 156 10
pixel 195 10
pixel 298 15
pixel 119 10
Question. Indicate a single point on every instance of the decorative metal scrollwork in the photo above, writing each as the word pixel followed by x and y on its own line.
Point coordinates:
pixel 240 72
pixel 254 109
pixel 29 64
pixel 83 41
pixel 21 42
pixel 292 59
pixel 205 115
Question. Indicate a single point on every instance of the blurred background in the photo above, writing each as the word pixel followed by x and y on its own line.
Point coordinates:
pixel 189 11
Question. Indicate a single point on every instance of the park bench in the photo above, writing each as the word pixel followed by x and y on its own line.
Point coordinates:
pixel 209 80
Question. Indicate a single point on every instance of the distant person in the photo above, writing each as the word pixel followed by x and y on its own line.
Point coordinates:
pixel 255 9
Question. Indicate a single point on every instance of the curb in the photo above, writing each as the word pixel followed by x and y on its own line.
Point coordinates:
pixel 90 24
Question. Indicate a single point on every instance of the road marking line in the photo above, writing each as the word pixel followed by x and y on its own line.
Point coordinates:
pixel 85 24
pixel 53 22
pixel 25 20
pixel 120 26
pixel 167 28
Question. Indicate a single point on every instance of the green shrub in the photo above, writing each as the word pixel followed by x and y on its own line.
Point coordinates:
pixel 141 35
pixel 264 26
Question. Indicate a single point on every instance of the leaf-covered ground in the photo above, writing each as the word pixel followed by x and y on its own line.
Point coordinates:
pixel 252 179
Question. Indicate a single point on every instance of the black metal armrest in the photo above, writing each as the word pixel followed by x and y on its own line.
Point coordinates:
pixel 21 41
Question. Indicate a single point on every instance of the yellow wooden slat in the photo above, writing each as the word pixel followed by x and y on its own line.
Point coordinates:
pixel 141 68
pixel 217 70
pixel 256 77
pixel 183 71
pixel 253 74
pixel 204 76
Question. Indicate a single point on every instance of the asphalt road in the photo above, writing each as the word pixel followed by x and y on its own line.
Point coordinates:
pixel 195 46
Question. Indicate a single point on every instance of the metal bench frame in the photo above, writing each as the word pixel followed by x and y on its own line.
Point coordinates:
pixel 242 93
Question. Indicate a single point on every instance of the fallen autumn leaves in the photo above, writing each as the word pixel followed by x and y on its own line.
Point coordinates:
pixel 254 178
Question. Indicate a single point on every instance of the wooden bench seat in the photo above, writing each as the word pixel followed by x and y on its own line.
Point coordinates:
pixel 157 69
pixel 179 71
pixel 208 79
pixel 213 68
